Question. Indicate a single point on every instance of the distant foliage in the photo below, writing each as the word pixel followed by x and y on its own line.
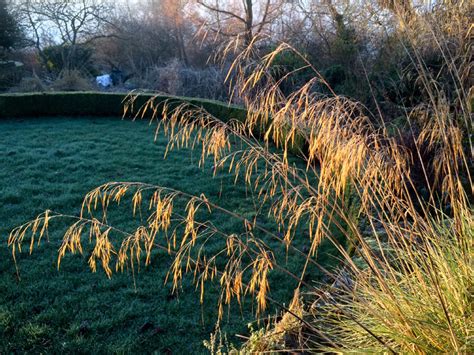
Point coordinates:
pixel 290 70
pixel 178 79
pixel 69 57
pixel 10 33
pixel 30 84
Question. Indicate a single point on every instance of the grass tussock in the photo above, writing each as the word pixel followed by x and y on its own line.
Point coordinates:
pixel 418 301
pixel 406 273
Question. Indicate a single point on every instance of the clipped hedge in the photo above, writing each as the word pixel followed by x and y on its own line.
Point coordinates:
pixel 47 104
pixel 99 104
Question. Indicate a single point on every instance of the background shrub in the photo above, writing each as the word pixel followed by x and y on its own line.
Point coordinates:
pixel 175 78
pixel 30 84
pixel 69 57
pixel 72 80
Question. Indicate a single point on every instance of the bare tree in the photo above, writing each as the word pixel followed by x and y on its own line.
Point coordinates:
pixel 149 33
pixel 173 11
pixel 63 22
pixel 246 18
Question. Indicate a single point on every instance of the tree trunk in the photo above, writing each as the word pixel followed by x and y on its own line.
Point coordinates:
pixel 248 21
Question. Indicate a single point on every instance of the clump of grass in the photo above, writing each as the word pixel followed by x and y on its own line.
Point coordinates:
pixel 418 301
pixel 409 289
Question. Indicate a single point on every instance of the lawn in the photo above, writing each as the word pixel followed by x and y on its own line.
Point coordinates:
pixel 50 163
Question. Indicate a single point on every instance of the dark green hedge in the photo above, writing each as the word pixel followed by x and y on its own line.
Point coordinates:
pixel 98 104
pixel 109 104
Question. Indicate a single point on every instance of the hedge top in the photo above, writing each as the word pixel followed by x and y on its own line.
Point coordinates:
pixel 99 104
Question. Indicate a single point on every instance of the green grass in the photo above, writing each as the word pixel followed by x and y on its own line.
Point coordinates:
pixel 50 163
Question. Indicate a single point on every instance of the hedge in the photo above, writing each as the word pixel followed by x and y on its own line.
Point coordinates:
pixel 99 104
pixel 68 104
